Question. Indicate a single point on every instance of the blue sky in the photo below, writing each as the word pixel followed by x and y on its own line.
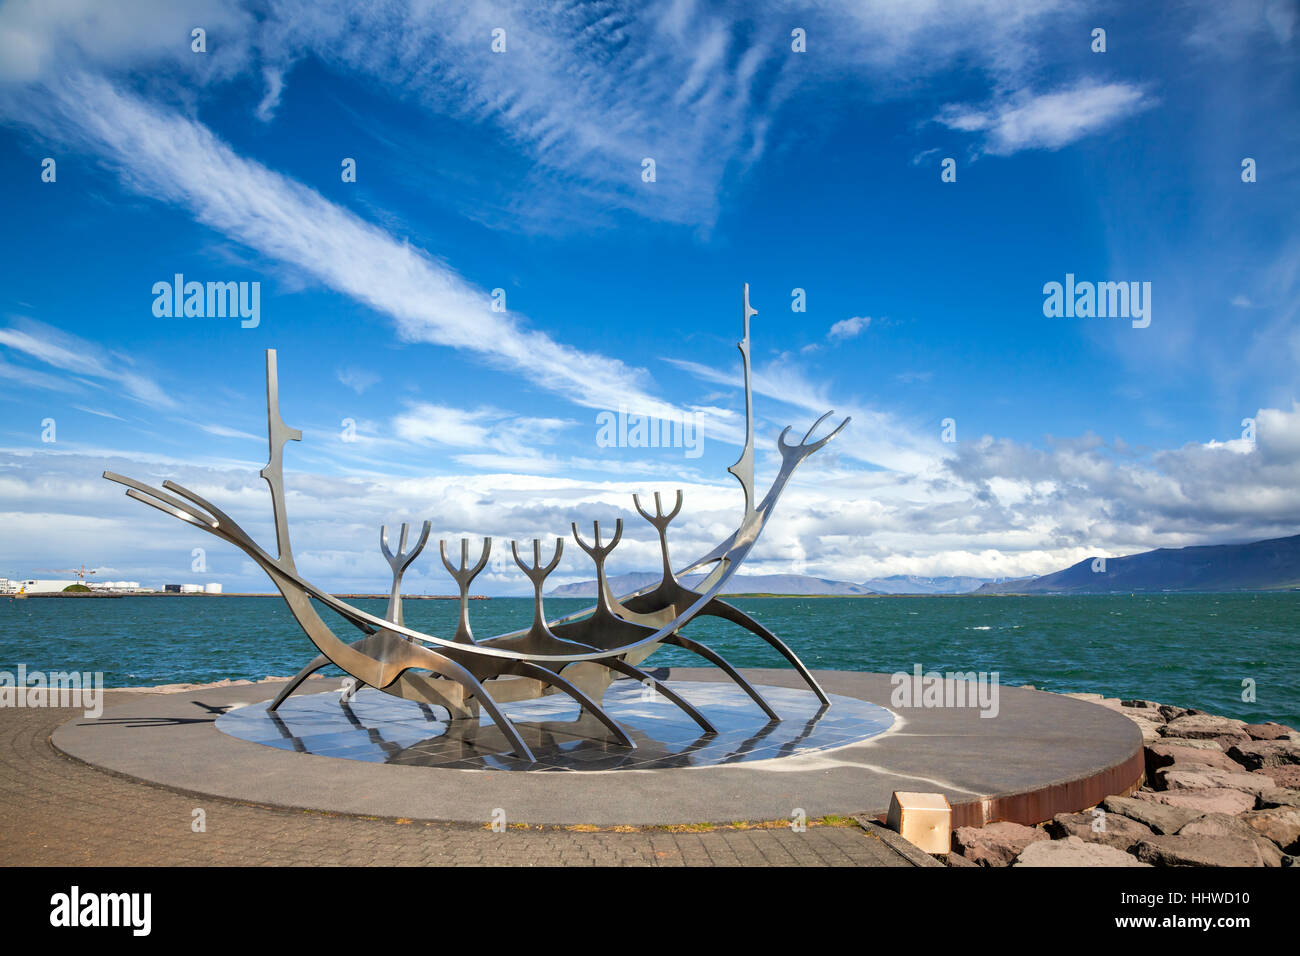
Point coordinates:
pixel 523 171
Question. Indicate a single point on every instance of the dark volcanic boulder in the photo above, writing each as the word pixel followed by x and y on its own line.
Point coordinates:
pixel 1282 776
pixel 1277 797
pixel 1197 777
pixel 1259 754
pixel 1269 731
pixel 1116 829
pixel 1072 851
pixel 1182 850
pixel 995 844
pixel 1224 825
pixel 1166 753
pixel 1205 726
pixel 1214 800
pixel 1161 818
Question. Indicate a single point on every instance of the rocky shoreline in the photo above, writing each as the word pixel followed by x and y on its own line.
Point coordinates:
pixel 1217 792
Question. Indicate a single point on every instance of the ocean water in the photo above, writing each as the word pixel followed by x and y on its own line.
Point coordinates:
pixel 1189 649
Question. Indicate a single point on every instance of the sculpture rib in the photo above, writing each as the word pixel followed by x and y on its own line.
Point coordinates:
pixel 296 681
pixel 720 662
pixel 526 669
pixel 735 615
pixel 618 664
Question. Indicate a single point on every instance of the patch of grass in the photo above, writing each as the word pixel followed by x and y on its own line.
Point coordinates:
pixel 688 827
pixel 830 820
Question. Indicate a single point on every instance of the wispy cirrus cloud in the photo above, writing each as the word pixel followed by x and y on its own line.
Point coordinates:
pixel 1025 120
pixel 1227 29
pixel 357 379
pixel 561 89
pixel 224 431
pixel 709 82
pixel 480 428
pixel 998 36
pixel 162 154
pixel 581 95
pixel 39 39
pixel 875 437
pixel 848 328
pixel 11 374
pixel 78 357
pixel 101 412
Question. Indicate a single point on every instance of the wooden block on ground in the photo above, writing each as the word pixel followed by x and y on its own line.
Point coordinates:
pixel 923 819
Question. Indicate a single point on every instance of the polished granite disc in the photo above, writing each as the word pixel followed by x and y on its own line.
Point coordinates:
pixel 379 728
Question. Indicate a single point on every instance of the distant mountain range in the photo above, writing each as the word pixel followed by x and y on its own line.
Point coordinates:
pixel 915 584
pixel 787 584
pixel 1258 566
pixel 739 584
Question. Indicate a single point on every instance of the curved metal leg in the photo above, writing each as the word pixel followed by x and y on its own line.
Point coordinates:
pixel 296 681
pixel 352 660
pixel 450 669
pixel 713 657
pixel 736 616
pixel 624 667
pixel 526 669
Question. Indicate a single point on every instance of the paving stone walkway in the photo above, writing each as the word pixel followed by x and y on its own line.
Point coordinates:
pixel 60 812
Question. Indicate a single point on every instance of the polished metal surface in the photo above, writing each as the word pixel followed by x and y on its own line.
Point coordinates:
pixel 399 562
pixel 464 576
pixel 378 728
pixel 743 469
pixel 575 656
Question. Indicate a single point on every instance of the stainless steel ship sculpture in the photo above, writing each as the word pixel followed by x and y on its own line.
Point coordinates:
pixel 578 655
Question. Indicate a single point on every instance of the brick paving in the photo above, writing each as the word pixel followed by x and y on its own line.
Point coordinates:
pixel 60 812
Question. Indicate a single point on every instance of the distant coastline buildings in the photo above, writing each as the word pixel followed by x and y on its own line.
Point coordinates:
pixel 57 586
pixel 33 586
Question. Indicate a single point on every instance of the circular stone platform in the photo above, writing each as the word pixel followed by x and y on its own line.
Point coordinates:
pixel 1042 754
